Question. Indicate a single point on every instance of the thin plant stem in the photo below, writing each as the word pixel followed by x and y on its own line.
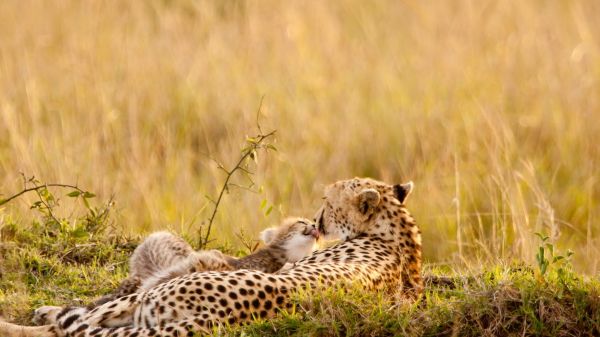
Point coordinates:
pixel 238 166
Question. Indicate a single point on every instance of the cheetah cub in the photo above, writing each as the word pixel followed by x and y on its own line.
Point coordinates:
pixel 163 256
pixel 287 243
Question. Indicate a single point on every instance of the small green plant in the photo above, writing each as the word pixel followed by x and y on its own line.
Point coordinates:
pixel 248 154
pixel 46 200
pixel 546 257
pixel 94 221
pixel 250 244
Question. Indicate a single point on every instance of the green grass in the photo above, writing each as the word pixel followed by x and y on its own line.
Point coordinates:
pixel 51 264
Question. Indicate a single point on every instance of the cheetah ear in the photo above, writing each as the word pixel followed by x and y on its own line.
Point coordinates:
pixel 268 235
pixel 401 191
pixel 368 199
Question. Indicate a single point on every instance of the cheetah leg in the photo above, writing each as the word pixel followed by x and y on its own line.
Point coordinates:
pixel 13 330
pixel 185 327
pixel 412 284
pixel 116 313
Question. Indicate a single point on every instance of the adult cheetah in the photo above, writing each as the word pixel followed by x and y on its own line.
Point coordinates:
pixel 380 249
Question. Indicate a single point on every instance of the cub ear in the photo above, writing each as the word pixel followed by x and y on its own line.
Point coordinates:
pixel 268 235
pixel 401 191
pixel 368 199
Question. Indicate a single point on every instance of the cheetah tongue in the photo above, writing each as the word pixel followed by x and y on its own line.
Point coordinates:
pixel 315 233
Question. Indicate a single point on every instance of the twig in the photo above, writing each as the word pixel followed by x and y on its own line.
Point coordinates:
pixel 46 204
pixel 256 144
pixel 249 244
pixel 258 113
pixel 30 189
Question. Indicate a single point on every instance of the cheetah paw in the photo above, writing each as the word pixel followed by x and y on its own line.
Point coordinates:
pixel 45 315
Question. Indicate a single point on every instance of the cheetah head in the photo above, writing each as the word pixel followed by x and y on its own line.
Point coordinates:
pixel 351 207
pixel 297 236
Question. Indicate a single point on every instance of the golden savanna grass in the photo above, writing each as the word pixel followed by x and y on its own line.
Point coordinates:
pixel 491 107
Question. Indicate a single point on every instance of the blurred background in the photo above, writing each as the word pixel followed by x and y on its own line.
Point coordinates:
pixel 491 108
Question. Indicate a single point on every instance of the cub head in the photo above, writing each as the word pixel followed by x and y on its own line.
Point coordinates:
pixel 297 236
pixel 351 207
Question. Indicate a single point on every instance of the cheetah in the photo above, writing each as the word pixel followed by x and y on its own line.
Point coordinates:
pixel 163 256
pixel 379 248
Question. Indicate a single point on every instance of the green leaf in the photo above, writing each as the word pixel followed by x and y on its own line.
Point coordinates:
pixel 269 210
pixel 79 232
pixel 86 203
pixel 541 255
pixel 88 195
pixel 271 147
pixel 550 249
pixel 570 253
pixel 263 203
pixel 542 236
pixel 74 194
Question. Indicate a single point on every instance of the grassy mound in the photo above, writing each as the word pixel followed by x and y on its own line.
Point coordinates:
pixel 70 264
pixel 502 301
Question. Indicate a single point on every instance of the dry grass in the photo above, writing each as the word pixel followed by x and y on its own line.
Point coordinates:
pixel 492 108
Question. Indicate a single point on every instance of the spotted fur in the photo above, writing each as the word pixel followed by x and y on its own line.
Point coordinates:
pixel 380 248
